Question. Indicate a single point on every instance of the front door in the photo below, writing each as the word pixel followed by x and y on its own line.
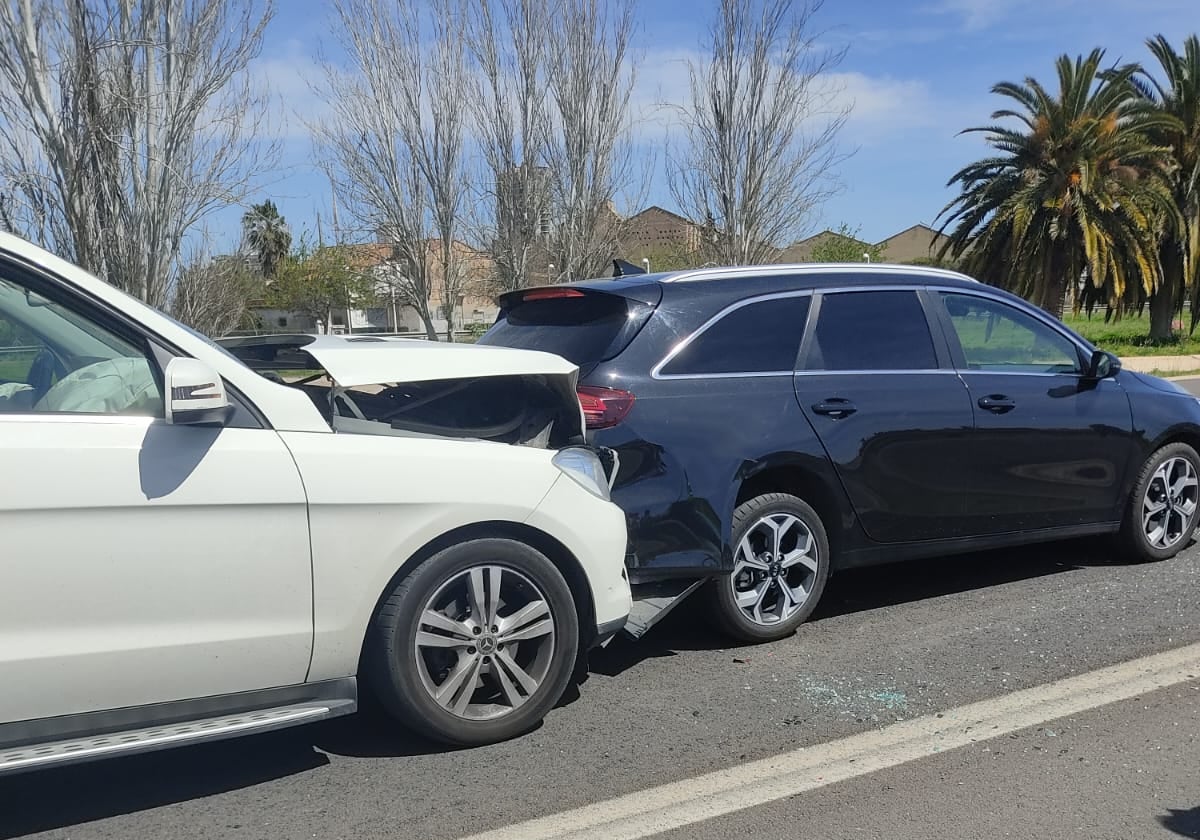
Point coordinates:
pixel 140 562
pixel 892 417
pixel 1051 447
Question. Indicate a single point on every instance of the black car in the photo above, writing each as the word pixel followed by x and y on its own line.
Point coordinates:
pixel 780 422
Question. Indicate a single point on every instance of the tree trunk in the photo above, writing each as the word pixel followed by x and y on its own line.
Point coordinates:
pixel 430 332
pixel 1054 287
pixel 1163 303
pixel 1162 313
pixel 1055 291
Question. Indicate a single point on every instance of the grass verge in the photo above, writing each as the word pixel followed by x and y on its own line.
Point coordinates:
pixel 1130 336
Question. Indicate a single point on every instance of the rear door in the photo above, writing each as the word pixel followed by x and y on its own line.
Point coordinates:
pixel 1051 446
pixel 893 416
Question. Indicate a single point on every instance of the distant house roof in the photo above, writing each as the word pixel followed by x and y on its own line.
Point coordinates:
pixel 917 228
pixel 801 251
pixel 654 208
pixel 913 243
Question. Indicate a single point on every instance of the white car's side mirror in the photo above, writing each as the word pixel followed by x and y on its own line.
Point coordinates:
pixel 195 394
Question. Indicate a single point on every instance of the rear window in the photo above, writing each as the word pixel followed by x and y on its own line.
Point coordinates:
pixel 584 329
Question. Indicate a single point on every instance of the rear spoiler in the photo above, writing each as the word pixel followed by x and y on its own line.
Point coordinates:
pixel 621 268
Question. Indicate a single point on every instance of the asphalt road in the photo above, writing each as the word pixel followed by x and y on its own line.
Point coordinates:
pixel 1122 772
pixel 887 645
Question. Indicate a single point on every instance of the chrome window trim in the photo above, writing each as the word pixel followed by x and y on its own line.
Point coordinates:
pixel 976 372
pixel 1059 328
pixel 758 374
pixel 656 371
pixel 893 371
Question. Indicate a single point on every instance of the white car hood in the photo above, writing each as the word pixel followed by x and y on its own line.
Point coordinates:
pixel 355 361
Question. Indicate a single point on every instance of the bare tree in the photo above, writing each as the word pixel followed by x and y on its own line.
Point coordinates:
pixel 213 295
pixel 507 42
pixel 590 75
pixel 393 142
pixel 441 152
pixel 760 132
pixel 124 123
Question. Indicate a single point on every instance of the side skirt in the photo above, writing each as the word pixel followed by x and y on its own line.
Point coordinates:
pixel 879 553
pixel 33 744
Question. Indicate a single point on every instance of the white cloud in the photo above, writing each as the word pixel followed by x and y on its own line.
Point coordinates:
pixel 287 75
pixel 662 82
pixel 878 105
pixel 977 14
pixel 882 107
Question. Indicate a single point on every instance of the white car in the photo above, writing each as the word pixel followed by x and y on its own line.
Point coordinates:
pixel 191 551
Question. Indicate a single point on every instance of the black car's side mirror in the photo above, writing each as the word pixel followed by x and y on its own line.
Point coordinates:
pixel 1102 365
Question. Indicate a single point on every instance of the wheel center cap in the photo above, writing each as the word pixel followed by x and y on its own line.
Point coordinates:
pixel 487 644
pixel 776 569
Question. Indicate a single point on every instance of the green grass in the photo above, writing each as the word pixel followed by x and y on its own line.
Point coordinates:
pixel 1171 374
pixel 15 367
pixel 1130 336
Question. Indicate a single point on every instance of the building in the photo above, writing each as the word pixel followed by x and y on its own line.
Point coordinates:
pixel 918 243
pixel 390 314
pixel 658 230
pixel 802 251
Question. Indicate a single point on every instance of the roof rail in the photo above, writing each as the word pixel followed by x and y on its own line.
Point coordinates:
pixel 730 272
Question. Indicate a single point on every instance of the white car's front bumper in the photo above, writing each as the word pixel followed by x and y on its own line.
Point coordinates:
pixel 593 530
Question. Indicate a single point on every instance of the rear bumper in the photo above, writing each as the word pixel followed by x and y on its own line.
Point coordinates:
pixel 680 539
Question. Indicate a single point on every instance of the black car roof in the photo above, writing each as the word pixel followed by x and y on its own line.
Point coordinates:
pixel 767 278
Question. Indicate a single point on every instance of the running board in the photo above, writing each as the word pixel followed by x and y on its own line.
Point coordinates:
pixel 654 601
pixel 36 756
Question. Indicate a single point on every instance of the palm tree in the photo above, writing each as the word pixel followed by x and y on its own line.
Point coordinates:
pixel 266 234
pixel 1078 190
pixel 1177 97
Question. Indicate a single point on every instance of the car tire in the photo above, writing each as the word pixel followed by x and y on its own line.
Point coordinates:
pixel 1161 512
pixel 441 666
pixel 758 601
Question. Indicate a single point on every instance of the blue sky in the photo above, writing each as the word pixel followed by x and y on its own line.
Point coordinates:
pixel 917 72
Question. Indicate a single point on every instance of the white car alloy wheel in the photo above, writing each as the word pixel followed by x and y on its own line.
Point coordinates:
pixel 485 643
pixel 477 644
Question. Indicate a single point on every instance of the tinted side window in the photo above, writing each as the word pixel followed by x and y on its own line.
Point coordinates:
pixel 756 338
pixel 995 336
pixel 871 331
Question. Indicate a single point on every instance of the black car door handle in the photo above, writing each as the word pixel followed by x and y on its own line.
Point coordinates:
pixel 835 407
pixel 997 403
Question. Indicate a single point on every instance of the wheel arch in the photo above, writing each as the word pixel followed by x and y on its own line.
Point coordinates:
pixel 555 552
pixel 794 476
pixel 1181 433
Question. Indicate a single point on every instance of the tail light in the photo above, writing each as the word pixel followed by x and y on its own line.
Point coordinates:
pixel 604 407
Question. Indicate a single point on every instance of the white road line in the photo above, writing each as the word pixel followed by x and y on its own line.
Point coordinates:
pixel 649 812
